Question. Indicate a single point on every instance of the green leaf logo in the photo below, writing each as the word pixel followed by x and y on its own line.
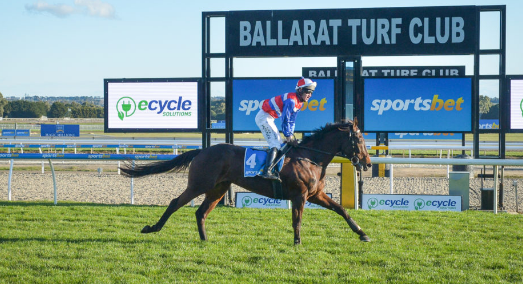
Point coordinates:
pixel 246 201
pixel 125 107
pixel 419 204
pixel 372 203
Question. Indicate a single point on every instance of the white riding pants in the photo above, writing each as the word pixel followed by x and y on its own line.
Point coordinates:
pixel 269 130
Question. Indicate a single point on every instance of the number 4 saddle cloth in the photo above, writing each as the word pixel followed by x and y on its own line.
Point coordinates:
pixel 254 162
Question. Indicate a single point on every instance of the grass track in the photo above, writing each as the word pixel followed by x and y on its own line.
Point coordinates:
pixel 91 243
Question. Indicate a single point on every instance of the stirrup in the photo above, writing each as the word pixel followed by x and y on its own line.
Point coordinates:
pixel 270 176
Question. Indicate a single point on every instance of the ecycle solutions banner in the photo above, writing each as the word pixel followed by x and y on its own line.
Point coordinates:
pixel 411 202
pixel 145 106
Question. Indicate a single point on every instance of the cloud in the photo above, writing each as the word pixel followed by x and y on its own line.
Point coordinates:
pixel 93 8
pixel 97 8
pixel 59 10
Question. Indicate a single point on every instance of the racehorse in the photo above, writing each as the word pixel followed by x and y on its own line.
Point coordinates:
pixel 214 169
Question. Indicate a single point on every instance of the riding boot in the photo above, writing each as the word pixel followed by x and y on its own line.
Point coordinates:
pixel 271 156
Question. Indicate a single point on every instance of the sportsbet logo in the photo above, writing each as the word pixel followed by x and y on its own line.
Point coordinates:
pixel 126 107
pixel 254 105
pixel 419 104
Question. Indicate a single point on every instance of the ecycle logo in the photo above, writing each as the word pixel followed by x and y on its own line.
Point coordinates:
pixel 419 204
pixel 372 203
pixel 125 107
pixel 246 201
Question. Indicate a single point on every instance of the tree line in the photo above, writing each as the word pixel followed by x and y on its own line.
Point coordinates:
pixel 27 109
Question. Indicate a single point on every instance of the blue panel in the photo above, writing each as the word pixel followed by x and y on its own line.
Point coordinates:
pixel 248 94
pixel 60 130
pixel 418 105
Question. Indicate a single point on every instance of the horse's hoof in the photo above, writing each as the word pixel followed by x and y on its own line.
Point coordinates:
pixel 298 242
pixel 364 238
pixel 146 229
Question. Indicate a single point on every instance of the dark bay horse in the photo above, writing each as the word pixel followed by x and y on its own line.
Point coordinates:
pixel 214 169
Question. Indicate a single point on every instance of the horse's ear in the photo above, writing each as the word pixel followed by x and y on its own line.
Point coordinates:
pixel 355 121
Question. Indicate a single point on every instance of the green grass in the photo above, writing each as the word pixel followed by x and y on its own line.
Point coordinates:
pixel 89 243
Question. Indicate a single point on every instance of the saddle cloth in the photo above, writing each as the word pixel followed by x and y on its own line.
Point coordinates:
pixel 254 162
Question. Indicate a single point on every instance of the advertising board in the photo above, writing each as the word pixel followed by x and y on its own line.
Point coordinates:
pixel 489 124
pixel 155 105
pixel 60 130
pixel 417 105
pixel 411 202
pixel 254 200
pixel 16 132
pixel 389 71
pixel 416 136
pixel 516 105
pixel 248 95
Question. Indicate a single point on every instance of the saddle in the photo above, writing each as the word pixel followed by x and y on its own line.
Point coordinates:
pixel 254 162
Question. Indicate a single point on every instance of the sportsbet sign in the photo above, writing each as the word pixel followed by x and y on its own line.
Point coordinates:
pixel 249 94
pixel 418 104
pixel 411 202
pixel 151 106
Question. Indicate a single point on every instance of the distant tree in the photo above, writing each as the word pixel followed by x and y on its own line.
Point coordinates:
pixel 493 113
pixel 26 109
pixel 86 110
pixel 3 102
pixel 218 109
pixel 57 110
pixel 484 105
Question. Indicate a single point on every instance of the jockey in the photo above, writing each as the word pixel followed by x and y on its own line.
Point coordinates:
pixel 287 107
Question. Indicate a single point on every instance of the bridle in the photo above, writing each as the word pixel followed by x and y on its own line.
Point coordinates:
pixel 354 149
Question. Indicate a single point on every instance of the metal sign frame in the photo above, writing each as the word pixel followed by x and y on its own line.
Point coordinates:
pixel 320 25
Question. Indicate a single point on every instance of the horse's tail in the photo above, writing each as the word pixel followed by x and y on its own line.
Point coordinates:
pixel 178 164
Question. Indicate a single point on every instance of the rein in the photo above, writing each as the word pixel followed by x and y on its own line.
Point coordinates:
pixel 354 160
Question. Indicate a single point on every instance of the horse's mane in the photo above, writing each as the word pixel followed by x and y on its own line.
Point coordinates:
pixel 319 134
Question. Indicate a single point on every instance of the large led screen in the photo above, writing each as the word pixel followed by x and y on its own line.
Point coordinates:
pixel 418 105
pixel 138 106
pixel 516 105
pixel 249 94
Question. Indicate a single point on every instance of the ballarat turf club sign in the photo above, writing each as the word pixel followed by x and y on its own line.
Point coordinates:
pixel 376 31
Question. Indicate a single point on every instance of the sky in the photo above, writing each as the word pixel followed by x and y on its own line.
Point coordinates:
pixel 68 47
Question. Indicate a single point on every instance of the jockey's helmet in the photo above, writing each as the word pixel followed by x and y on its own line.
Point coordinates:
pixel 306 83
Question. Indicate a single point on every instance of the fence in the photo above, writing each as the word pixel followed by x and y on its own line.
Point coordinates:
pixel 375 160
pixel 431 161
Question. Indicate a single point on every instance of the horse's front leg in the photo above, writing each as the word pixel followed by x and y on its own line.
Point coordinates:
pixel 297 211
pixel 324 200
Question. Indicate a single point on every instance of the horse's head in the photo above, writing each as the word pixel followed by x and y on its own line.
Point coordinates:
pixel 354 147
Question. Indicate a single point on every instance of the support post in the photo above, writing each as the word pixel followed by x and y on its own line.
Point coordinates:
pixel 495 208
pixel 54 183
pixel 11 162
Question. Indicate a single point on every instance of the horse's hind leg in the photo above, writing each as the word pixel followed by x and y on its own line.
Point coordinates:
pixel 209 203
pixel 324 200
pixel 175 204
pixel 298 204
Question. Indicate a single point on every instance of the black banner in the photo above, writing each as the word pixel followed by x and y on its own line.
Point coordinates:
pixel 370 31
pixel 390 71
